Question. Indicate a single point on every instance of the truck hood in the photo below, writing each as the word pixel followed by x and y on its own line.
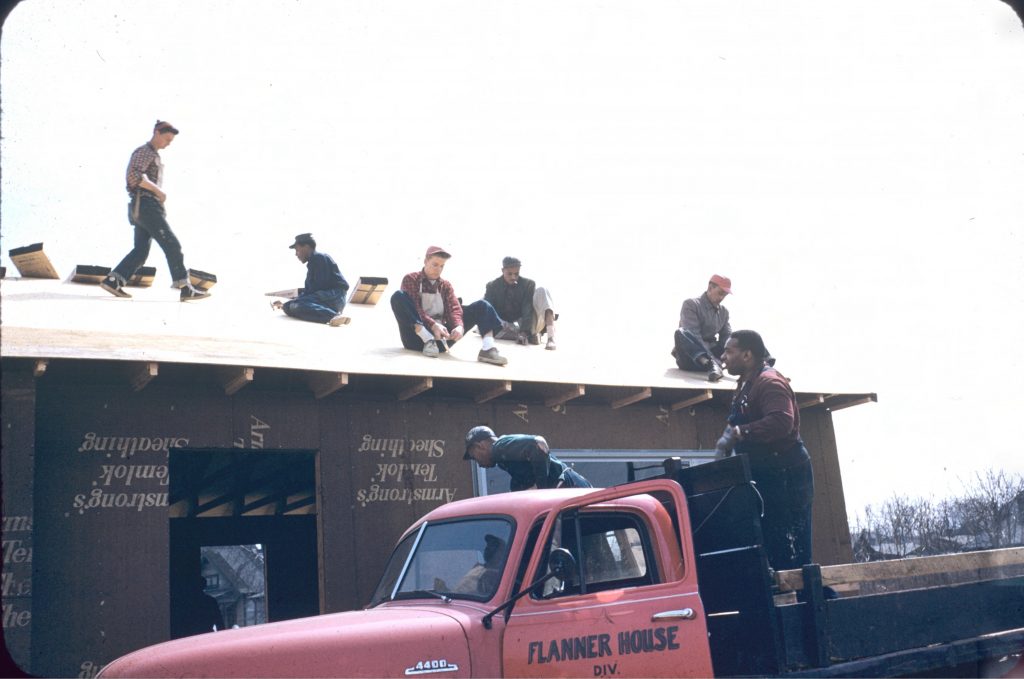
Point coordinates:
pixel 386 641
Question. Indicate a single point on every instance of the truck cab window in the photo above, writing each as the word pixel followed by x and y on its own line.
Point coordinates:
pixel 613 551
pixel 458 559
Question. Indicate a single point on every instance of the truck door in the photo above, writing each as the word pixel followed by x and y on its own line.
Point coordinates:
pixel 632 607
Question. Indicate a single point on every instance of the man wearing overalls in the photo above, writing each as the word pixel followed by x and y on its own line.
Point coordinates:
pixel 764 424
pixel 430 317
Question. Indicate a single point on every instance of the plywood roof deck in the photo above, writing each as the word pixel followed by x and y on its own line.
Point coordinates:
pixel 240 337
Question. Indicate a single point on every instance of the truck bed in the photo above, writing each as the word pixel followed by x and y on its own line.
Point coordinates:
pixel 903 629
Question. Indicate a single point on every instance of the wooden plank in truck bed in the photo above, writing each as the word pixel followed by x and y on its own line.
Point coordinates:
pixel 982 563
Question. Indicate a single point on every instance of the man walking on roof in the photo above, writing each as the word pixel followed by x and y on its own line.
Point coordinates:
pixel 322 298
pixel 146 213
pixel 526 458
pixel 430 316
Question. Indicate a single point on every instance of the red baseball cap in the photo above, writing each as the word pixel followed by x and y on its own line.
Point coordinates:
pixel 437 250
pixel 722 282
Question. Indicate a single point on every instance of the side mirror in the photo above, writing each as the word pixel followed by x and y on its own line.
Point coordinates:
pixel 561 564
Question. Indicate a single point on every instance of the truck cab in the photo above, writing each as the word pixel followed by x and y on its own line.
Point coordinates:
pixel 659 578
pixel 626 603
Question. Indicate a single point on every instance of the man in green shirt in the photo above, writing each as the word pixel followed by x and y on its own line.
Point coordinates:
pixel 526 458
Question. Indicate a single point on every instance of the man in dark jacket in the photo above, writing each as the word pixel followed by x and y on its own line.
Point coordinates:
pixel 764 424
pixel 526 458
pixel 322 298
pixel 528 311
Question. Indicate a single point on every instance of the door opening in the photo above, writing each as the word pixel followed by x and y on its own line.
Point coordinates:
pixel 243 537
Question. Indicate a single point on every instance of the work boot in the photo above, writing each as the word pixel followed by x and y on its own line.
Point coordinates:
pixel 550 346
pixel 339 320
pixel 190 294
pixel 114 287
pixel 430 349
pixel 491 356
pixel 714 372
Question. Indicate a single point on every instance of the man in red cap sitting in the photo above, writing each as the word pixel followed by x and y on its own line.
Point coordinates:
pixel 703 330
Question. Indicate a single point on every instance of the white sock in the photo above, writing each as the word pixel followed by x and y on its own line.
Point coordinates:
pixel 488 342
pixel 424 334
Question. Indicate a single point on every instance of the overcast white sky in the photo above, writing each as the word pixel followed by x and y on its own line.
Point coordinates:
pixel 856 168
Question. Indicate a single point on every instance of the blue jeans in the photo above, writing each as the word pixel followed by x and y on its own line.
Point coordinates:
pixel 480 314
pixel 689 348
pixel 316 307
pixel 151 225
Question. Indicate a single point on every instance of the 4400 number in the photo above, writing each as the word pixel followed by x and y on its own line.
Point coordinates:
pixel 431 667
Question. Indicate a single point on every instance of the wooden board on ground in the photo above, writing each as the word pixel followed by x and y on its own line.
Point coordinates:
pixel 368 290
pixel 89 273
pixel 201 279
pixel 32 262
pixel 290 293
pixel 143 278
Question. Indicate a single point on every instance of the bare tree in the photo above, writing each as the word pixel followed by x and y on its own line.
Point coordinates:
pixel 989 514
pixel 991 507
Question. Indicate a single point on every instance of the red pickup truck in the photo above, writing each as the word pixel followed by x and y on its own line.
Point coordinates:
pixel 658 578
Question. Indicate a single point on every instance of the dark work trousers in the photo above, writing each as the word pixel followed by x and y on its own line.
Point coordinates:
pixel 480 314
pixel 786 484
pixel 316 307
pixel 150 225
pixel 690 348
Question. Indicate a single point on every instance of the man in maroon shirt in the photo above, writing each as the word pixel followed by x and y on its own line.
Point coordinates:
pixel 764 424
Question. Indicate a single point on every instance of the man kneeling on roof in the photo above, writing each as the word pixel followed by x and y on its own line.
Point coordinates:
pixel 430 317
pixel 322 298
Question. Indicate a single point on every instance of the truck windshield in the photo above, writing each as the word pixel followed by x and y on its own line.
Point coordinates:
pixel 461 559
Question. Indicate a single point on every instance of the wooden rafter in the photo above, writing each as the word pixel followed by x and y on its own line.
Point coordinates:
pixel 417 387
pixel 566 395
pixel 811 401
pixel 842 402
pixel 325 383
pixel 494 391
pixel 233 379
pixel 704 395
pixel 141 374
pixel 635 397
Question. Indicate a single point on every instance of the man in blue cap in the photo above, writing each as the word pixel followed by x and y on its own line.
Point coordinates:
pixel 526 458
